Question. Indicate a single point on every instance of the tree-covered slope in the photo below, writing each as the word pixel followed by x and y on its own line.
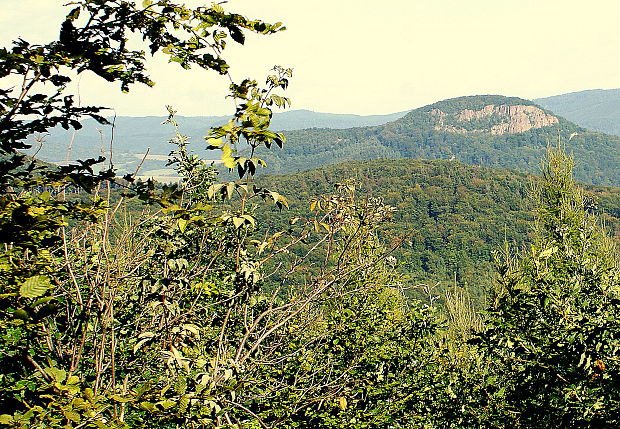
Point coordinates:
pixel 492 131
pixel 595 109
pixel 450 216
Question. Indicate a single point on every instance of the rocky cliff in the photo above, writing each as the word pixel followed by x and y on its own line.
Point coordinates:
pixel 493 119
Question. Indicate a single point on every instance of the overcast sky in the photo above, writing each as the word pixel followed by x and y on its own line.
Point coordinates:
pixel 375 57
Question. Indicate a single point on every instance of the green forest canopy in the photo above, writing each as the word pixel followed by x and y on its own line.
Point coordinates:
pixel 450 217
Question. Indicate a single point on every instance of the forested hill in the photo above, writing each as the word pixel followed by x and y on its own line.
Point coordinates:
pixel 451 215
pixel 487 130
pixel 595 109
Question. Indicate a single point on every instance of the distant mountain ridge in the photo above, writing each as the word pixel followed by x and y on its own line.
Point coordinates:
pixel 487 130
pixel 133 135
pixel 595 109
pixel 303 119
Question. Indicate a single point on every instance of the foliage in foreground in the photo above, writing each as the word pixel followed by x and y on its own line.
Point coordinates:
pixel 171 319
pixel 553 332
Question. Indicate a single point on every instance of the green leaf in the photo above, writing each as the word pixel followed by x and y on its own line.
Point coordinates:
pixel 35 286
pixel 236 34
pixel 59 375
pixel 43 300
pixel 180 385
pixel 73 380
pixel 167 404
pixel 148 406
pixel 121 399
pixel 262 111
pixel 22 314
pixel 74 14
pixel 72 415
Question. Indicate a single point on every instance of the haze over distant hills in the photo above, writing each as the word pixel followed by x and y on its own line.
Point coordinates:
pixel 487 130
pixel 595 109
pixel 136 134
pixel 302 119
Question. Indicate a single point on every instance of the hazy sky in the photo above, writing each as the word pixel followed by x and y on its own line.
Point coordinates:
pixel 358 56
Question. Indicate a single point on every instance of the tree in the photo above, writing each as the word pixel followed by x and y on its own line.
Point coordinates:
pixel 554 325
pixel 182 315
pixel 361 354
pixel 96 37
pixel 52 302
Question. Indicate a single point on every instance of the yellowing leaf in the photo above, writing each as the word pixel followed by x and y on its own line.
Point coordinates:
pixel 213 190
pixel 283 201
pixel 215 142
pixel 36 211
pixel 238 221
pixel 192 328
pixel 249 219
pixel 230 189
pixel 548 252
pixel 227 158
pixel 89 394
pixel 35 286
pixel 140 344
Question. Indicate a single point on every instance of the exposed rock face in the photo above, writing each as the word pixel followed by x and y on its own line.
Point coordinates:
pixel 502 119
